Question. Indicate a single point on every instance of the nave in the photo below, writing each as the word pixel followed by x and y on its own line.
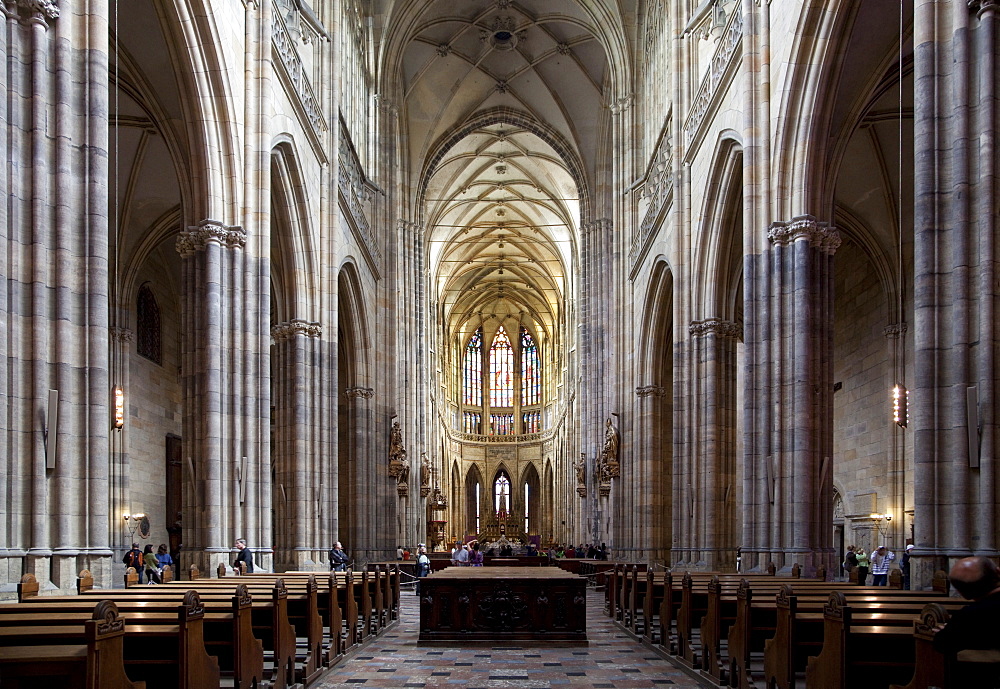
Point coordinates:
pixel 609 660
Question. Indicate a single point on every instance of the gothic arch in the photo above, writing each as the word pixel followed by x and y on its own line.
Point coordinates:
pixel 474 478
pixel 196 47
pixel 293 257
pixel 518 118
pixel 720 251
pixel 529 477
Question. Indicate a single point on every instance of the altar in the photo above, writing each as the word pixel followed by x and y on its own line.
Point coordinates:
pixel 502 603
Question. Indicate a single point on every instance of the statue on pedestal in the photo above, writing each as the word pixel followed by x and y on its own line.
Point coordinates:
pixel 581 475
pixel 398 468
pixel 425 475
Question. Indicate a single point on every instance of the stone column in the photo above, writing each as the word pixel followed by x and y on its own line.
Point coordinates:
pixel 367 472
pixel 54 263
pixel 711 488
pixel 297 457
pixel 955 283
pixel 221 458
pixel 653 501
pixel 788 473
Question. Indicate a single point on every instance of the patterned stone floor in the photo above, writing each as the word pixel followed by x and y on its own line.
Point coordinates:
pixel 609 660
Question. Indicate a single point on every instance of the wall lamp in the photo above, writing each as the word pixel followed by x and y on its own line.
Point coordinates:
pixel 119 401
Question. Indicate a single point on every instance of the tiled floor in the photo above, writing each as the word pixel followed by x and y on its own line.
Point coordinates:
pixel 609 660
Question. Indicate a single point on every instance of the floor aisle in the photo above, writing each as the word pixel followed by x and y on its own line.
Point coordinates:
pixel 610 660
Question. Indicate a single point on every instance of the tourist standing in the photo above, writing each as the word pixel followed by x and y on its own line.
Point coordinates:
pixel 151 564
pixel 880 560
pixel 423 565
pixel 862 567
pixel 476 557
pixel 163 559
pixel 133 559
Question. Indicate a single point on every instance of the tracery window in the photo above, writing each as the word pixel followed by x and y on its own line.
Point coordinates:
pixel 531 384
pixel 148 326
pixel 501 371
pixel 501 424
pixel 472 422
pixel 501 495
pixel 472 368
pixel 501 383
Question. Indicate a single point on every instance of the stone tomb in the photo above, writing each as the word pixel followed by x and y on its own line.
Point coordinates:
pixel 499 603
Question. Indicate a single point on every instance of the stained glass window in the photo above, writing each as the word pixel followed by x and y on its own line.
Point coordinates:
pixel 531 421
pixel 148 325
pixel 501 424
pixel 472 422
pixel 501 371
pixel 501 495
pixel 526 503
pixel 531 370
pixel 472 369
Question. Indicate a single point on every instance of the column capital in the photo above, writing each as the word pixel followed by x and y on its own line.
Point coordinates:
pixel 385 105
pixel 895 330
pixel 981 7
pixel 296 326
pixel 359 392
pixel 819 234
pixel 123 335
pixel 651 391
pixel 46 8
pixel 197 237
pixel 622 104
pixel 601 224
pixel 717 327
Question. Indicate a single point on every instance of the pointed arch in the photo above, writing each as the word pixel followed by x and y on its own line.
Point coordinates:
pixel 293 256
pixel 474 495
pixel 720 252
pixel 530 508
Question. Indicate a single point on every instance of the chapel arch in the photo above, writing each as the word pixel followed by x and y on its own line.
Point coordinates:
pixel 476 496
pixel 654 521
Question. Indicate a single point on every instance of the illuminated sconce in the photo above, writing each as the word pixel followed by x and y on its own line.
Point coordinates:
pixel 900 406
pixel 119 407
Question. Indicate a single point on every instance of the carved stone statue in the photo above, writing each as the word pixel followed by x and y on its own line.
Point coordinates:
pixel 610 451
pixel 581 475
pixel 425 475
pixel 396 450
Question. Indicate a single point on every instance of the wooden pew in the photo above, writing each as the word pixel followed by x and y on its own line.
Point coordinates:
pixel 97 663
pixel 801 624
pixel 227 623
pixel 878 653
pixel 165 650
pixel 271 622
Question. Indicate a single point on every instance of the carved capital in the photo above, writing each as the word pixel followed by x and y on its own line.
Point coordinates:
pixel 46 8
pixel 819 234
pixel 717 327
pixel 123 335
pixel 981 7
pixel 895 330
pixel 198 237
pixel 581 491
pixel 296 326
pixel 386 106
pixel 651 391
pixel 362 393
pixel 622 104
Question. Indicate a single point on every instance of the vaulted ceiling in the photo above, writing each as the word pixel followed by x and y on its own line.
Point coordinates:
pixel 503 108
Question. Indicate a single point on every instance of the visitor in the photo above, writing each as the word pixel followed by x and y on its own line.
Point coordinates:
pixel 462 556
pixel 475 557
pixel 151 564
pixel 973 627
pixel 133 558
pixel 245 556
pixel 880 560
pixel 850 560
pixel 862 566
pixel 163 559
pixel 338 558
pixel 423 565
pixel 399 552
pixel 904 565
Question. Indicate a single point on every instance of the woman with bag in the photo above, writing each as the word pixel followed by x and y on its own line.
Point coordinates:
pixel 152 565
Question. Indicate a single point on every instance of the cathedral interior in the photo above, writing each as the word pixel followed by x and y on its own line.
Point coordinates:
pixel 697 279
